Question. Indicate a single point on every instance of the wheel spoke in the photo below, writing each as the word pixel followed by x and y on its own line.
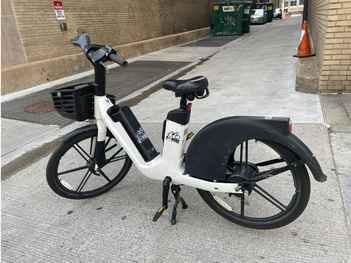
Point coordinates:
pixel 273 161
pixel 246 152
pixel 259 190
pixel 113 156
pixel 84 181
pixel 74 170
pixel 104 175
pixel 270 173
pixel 108 141
pixel 110 148
pixel 91 146
pixel 82 152
pixel 242 204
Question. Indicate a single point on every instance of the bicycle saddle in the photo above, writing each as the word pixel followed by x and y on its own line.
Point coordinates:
pixel 193 87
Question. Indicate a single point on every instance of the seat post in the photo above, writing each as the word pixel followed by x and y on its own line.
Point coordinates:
pixel 100 79
pixel 183 102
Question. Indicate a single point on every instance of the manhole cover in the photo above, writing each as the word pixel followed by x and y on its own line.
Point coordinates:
pixel 40 107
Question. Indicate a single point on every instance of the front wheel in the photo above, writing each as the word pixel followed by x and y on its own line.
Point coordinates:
pixel 275 186
pixel 72 171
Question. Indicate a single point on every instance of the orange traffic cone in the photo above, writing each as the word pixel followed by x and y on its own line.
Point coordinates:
pixel 304 49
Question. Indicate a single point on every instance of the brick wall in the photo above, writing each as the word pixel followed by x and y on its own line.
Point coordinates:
pixel 107 21
pixel 134 26
pixel 331 32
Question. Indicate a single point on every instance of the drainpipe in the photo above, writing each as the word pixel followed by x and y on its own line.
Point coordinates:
pixel 305 11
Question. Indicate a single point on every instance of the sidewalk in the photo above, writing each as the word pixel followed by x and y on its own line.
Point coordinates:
pixel 34 113
pixel 250 76
pixel 337 112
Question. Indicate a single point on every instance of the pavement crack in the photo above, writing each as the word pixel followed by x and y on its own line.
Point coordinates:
pixel 337 173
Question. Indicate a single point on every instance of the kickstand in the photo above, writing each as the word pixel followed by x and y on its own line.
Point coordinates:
pixel 176 192
pixel 165 190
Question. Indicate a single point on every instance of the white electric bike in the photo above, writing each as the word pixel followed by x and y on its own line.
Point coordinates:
pixel 250 170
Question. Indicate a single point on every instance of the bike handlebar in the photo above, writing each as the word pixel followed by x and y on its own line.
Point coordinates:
pixel 82 40
pixel 98 53
pixel 117 58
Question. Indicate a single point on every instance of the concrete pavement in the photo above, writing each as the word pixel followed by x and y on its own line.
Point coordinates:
pixel 149 70
pixel 337 111
pixel 39 226
pixel 252 76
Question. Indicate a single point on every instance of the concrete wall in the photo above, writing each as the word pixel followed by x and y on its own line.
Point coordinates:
pixel 12 51
pixel 330 23
pixel 135 26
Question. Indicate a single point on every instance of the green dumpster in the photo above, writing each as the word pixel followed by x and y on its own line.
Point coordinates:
pixel 270 11
pixel 227 18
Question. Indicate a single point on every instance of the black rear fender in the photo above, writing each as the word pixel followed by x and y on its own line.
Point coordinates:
pixel 305 154
pixel 209 151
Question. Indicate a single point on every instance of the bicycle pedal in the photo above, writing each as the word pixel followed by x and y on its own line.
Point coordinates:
pixel 159 213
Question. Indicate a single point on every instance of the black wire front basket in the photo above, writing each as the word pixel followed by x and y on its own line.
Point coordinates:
pixel 76 102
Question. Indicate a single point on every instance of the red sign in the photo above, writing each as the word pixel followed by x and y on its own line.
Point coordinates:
pixel 59 11
pixel 58 4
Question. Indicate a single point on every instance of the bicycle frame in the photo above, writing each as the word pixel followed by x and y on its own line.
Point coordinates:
pixel 209 163
pixel 168 163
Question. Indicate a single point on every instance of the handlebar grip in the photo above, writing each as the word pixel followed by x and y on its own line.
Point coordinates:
pixel 118 59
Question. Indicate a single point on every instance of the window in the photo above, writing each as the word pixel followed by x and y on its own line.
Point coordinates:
pixel 293 3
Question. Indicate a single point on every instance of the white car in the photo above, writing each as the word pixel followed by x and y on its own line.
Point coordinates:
pixel 258 16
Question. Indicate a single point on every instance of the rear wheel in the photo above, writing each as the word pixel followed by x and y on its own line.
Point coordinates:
pixel 72 171
pixel 275 186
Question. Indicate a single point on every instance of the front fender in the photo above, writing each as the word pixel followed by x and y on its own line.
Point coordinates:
pixel 210 149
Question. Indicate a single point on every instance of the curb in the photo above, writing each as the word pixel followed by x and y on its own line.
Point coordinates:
pixel 35 150
pixel 32 152
pixel 20 159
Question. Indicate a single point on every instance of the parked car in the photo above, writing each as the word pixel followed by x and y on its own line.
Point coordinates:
pixel 278 13
pixel 258 16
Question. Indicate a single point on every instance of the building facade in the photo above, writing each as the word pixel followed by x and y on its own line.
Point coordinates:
pixel 330 25
pixel 293 6
pixel 36 43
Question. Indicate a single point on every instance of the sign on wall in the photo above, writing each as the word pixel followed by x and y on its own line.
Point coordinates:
pixel 59 10
pixel 60 14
